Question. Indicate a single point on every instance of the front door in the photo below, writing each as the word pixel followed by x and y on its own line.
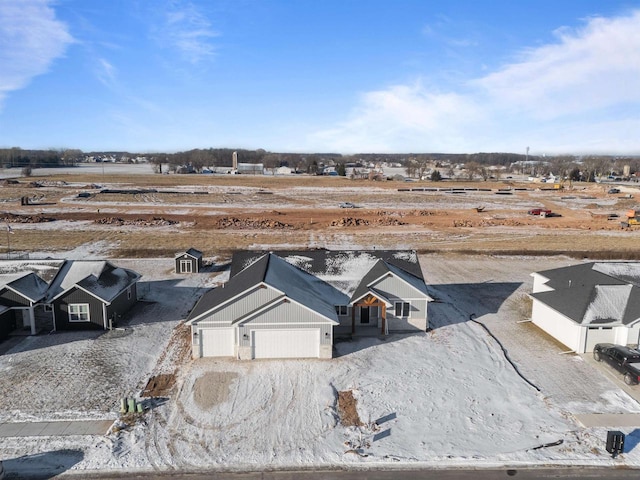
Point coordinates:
pixel 364 314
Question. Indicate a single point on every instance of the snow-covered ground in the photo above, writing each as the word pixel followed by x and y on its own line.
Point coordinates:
pixel 444 398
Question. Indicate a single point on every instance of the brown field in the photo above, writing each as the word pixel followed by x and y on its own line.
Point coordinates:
pixel 218 214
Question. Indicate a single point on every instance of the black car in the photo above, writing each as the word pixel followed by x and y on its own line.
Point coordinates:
pixel 624 359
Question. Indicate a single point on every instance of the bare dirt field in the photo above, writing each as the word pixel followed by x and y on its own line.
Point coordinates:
pixel 150 215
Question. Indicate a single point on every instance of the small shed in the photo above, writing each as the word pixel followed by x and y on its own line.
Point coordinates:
pixel 189 261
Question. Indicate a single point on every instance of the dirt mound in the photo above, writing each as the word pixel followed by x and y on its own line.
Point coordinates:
pixel 160 385
pixel 347 409
pixel 349 222
pixel 140 222
pixel 234 222
pixel 13 218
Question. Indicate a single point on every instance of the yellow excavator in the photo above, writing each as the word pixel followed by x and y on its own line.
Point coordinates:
pixel 633 219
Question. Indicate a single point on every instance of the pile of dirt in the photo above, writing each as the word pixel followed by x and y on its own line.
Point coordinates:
pixel 140 222
pixel 462 223
pixel 159 385
pixel 389 222
pixel 349 222
pixel 347 409
pixel 13 218
pixel 249 223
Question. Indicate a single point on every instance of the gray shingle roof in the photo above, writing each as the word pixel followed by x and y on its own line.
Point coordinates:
pixel 588 295
pixel 27 284
pixel 344 269
pixel 100 278
pixel 271 270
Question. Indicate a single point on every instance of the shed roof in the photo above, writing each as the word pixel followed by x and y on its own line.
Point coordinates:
pixel 191 252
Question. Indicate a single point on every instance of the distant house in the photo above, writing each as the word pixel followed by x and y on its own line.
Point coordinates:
pixel 90 294
pixel 284 170
pixel 590 303
pixel 292 304
pixel 189 261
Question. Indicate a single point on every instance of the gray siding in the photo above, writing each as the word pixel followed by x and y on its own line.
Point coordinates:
pixel 75 295
pixel 195 263
pixel 393 287
pixel 9 298
pixel 121 305
pixel 285 316
pixel 241 306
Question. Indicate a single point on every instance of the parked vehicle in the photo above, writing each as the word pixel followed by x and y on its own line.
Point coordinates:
pixel 539 211
pixel 347 205
pixel 624 359
pixel 614 190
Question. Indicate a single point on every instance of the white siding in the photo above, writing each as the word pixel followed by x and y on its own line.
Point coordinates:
pixel 558 326
pixel 299 343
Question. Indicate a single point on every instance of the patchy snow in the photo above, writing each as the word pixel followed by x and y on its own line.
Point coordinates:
pixel 444 398
pixel 625 271
pixel 608 304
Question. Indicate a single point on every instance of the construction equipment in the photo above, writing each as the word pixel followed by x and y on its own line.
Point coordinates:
pixel 633 219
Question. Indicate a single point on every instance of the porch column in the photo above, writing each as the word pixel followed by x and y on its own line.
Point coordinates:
pixel 32 320
pixel 353 319
pixel 384 319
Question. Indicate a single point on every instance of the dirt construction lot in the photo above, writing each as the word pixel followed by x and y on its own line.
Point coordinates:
pixel 155 215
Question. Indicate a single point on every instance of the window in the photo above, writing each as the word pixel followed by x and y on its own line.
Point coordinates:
pixel 402 309
pixel 342 309
pixel 185 266
pixel 79 312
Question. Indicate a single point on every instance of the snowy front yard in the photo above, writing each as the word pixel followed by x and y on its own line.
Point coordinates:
pixel 447 395
pixel 444 398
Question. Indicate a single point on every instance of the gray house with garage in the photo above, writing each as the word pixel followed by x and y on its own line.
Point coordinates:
pixel 63 295
pixel 291 304
pixel 589 303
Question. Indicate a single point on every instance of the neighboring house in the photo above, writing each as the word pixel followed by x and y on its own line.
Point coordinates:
pixel 291 304
pixel 20 292
pixel 90 294
pixel 590 303
pixel 189 261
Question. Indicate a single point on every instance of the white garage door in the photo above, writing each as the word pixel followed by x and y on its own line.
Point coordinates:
pixel 598 335
pixel 304 343
pixel 217 342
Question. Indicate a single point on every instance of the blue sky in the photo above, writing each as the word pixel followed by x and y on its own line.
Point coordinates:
pixel 342 76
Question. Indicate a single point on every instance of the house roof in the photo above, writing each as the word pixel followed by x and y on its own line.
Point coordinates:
pixel 343 269
pixel 596 293
pixel 191 252
pixel 27 284
pixel 99 278
pixel 273 271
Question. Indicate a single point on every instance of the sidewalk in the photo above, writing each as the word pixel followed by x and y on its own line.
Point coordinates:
pixel 609 420
pixel 55 429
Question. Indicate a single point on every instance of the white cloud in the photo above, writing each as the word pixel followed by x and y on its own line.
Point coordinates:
pixel 189 31
pixel 31 38
pixel 593 67
pixel 579 94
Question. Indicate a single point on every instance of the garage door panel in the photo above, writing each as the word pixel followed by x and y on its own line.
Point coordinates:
pixel 300 343
pixel 217 342
pixel 598 335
